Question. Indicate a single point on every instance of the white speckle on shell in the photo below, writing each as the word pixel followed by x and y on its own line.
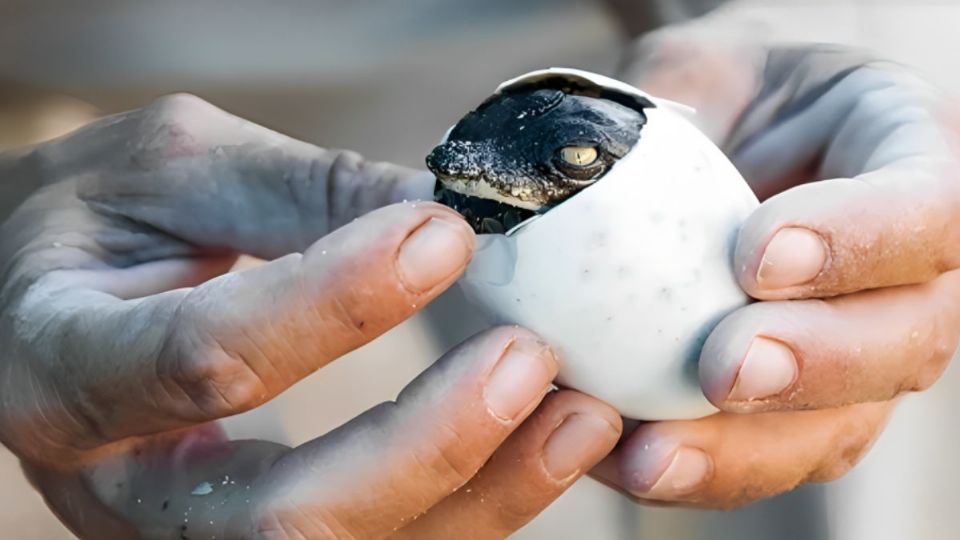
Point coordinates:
pixel 203 488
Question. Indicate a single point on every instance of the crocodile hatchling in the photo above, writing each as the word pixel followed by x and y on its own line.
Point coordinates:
pixel 524 151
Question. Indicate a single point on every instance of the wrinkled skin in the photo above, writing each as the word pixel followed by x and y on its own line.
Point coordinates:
pixel 854 253
pixel 117 254
pixel 509 149
pixel 123 343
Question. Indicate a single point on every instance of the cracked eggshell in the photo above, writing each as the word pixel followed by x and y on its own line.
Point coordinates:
pixel 627 278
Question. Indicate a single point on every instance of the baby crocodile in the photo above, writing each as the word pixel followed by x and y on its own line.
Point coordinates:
pixel 523 152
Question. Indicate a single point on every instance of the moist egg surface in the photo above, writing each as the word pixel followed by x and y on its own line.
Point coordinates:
pixel 626 278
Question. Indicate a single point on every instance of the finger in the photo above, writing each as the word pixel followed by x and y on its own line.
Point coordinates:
pixel 823 112
pixel 888 214
pixel 787 115
pixel 869 346
pixel 837 109
pixel 841 236
pixel 399 459
pixel 153 277
pixel 236 341
pixel 567 435
pixel 361 481
pixel 202 175
pixel 727 460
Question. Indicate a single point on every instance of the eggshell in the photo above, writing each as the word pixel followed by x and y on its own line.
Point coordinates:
pixel 627 278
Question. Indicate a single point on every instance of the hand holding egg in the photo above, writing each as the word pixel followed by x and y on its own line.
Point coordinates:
pixel 627 273
pixel 853 251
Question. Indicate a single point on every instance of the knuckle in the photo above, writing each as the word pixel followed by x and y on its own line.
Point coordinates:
pixel 756 481
pixel 49 437
pixel 740 499
pixel 447 458
pixel 346 171
pixel 944 346
pixel 835 468
pixel 341 182
pixel 734 496
pixel 307 188
pixel 508 518
pixel 876 100
pixel 173 126
pixel 178 106
pixel 851 441
pixel 939 351
pixel 217 381
pixel 297 524
pixel 350 170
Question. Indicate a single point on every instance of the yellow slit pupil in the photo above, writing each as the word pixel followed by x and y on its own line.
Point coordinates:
pixel 579 155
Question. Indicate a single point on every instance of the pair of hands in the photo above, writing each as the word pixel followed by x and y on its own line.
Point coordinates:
pixel 125 343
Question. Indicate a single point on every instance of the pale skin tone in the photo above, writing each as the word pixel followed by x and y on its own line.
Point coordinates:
pixel 125 347
pixel 854 252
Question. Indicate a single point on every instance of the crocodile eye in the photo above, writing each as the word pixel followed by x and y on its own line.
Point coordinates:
pixel 579 156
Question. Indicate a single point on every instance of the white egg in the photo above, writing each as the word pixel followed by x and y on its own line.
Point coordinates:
pixel 626 278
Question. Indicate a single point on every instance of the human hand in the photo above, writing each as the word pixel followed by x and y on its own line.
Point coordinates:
pixel 136 209
pixel 123 346
pixel 467 450
pixel 853 253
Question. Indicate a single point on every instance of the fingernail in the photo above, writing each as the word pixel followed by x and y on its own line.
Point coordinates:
pixel 522 376
pixel 688 469
pixel 579 441
pixel 793 257
pixel 662 470
pixel 768 368
pixel 435 251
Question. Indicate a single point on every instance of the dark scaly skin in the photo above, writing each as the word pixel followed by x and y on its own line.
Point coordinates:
pixel 511 145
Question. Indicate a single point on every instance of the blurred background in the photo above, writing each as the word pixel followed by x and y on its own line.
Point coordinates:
pixel 387 79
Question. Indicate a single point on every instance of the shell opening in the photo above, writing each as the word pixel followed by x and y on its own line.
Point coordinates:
pixel 493 217
pixel 569 82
